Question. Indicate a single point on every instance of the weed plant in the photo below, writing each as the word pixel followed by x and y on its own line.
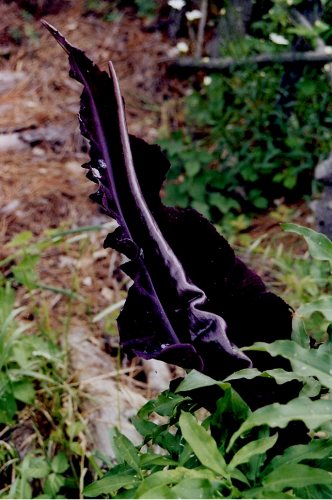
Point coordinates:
pixel 43 436
pixel 231 451
pixel 187 451
pixel 252 135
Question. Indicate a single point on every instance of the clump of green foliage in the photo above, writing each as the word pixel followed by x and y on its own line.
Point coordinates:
pixel 228 159
pixel 43 443
pixel 233 452
pixel 186 451
pixel 249 138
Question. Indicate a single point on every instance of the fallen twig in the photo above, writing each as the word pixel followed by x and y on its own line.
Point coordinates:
pixel 218 65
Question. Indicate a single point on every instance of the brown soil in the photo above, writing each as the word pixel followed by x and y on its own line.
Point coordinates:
pixel 43 187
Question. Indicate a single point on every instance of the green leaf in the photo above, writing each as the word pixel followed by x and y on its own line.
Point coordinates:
pixel 8 406
pixel 159 492
pixel 74 428
pixel 126 450
pixel 20 489
pixel 315 491
pixel 36 468
pixel 21 239
pixel 173 476
pixel 192 167
pixel 147 460
pixel 202 444
pixel 280 376
pixel 164 405
pixel 195 488
pixel 197 380
pixel 25 271
pixel 159 479
pixel 312 413
pixel 251 449
pixel 322 305
pixel 60 463
pixel 111 482
pixel 261 202
pixel 24 391
pixel 320 247
pixel 53 484
pixel 295 476
pixel 315 450
pixel 305 362
pixel 76 448
pixel 299 333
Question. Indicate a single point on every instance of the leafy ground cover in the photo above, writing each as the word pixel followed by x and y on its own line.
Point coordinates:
pixel 253 135
pixel 44 437
pixel 52 280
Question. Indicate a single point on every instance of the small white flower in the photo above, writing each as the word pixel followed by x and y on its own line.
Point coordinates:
pixel 176 4
pixel 102 164
pixel 193 15
pixel 222 12
pixel 87 281
pixel 278 39
pixel 328 69
pixel 289 2
pixel 96 173
pixel 328 49
pixel 205 59
pixel 207 80
pixel 182 47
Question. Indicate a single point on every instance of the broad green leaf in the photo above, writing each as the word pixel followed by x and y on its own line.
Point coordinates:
pixel 162 491
pixel 24 391
pixel 164 405
pixel 247 373
pixel 110 483
pixel 192 167
pixel 20 489
pixel 144 427
pixel 126 450
pixel 312 413
pixel 171 477
pixel 322 305
pixel 260 492
pixel 315 450
pixel 251 449
pixel 195 488
pixel 197 380
pixel 149 459
pixel 314 491
pixel 320 247
pixel 239 476
pixel 305 362
pixel 295 476
pixel 299 333
pixel 35 467
pixel 53 484
pixel 280 376
pixel 160 478
pixel 202 444
pixel 60 463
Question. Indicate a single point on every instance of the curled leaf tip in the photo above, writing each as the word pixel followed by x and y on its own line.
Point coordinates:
pixel 57 35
